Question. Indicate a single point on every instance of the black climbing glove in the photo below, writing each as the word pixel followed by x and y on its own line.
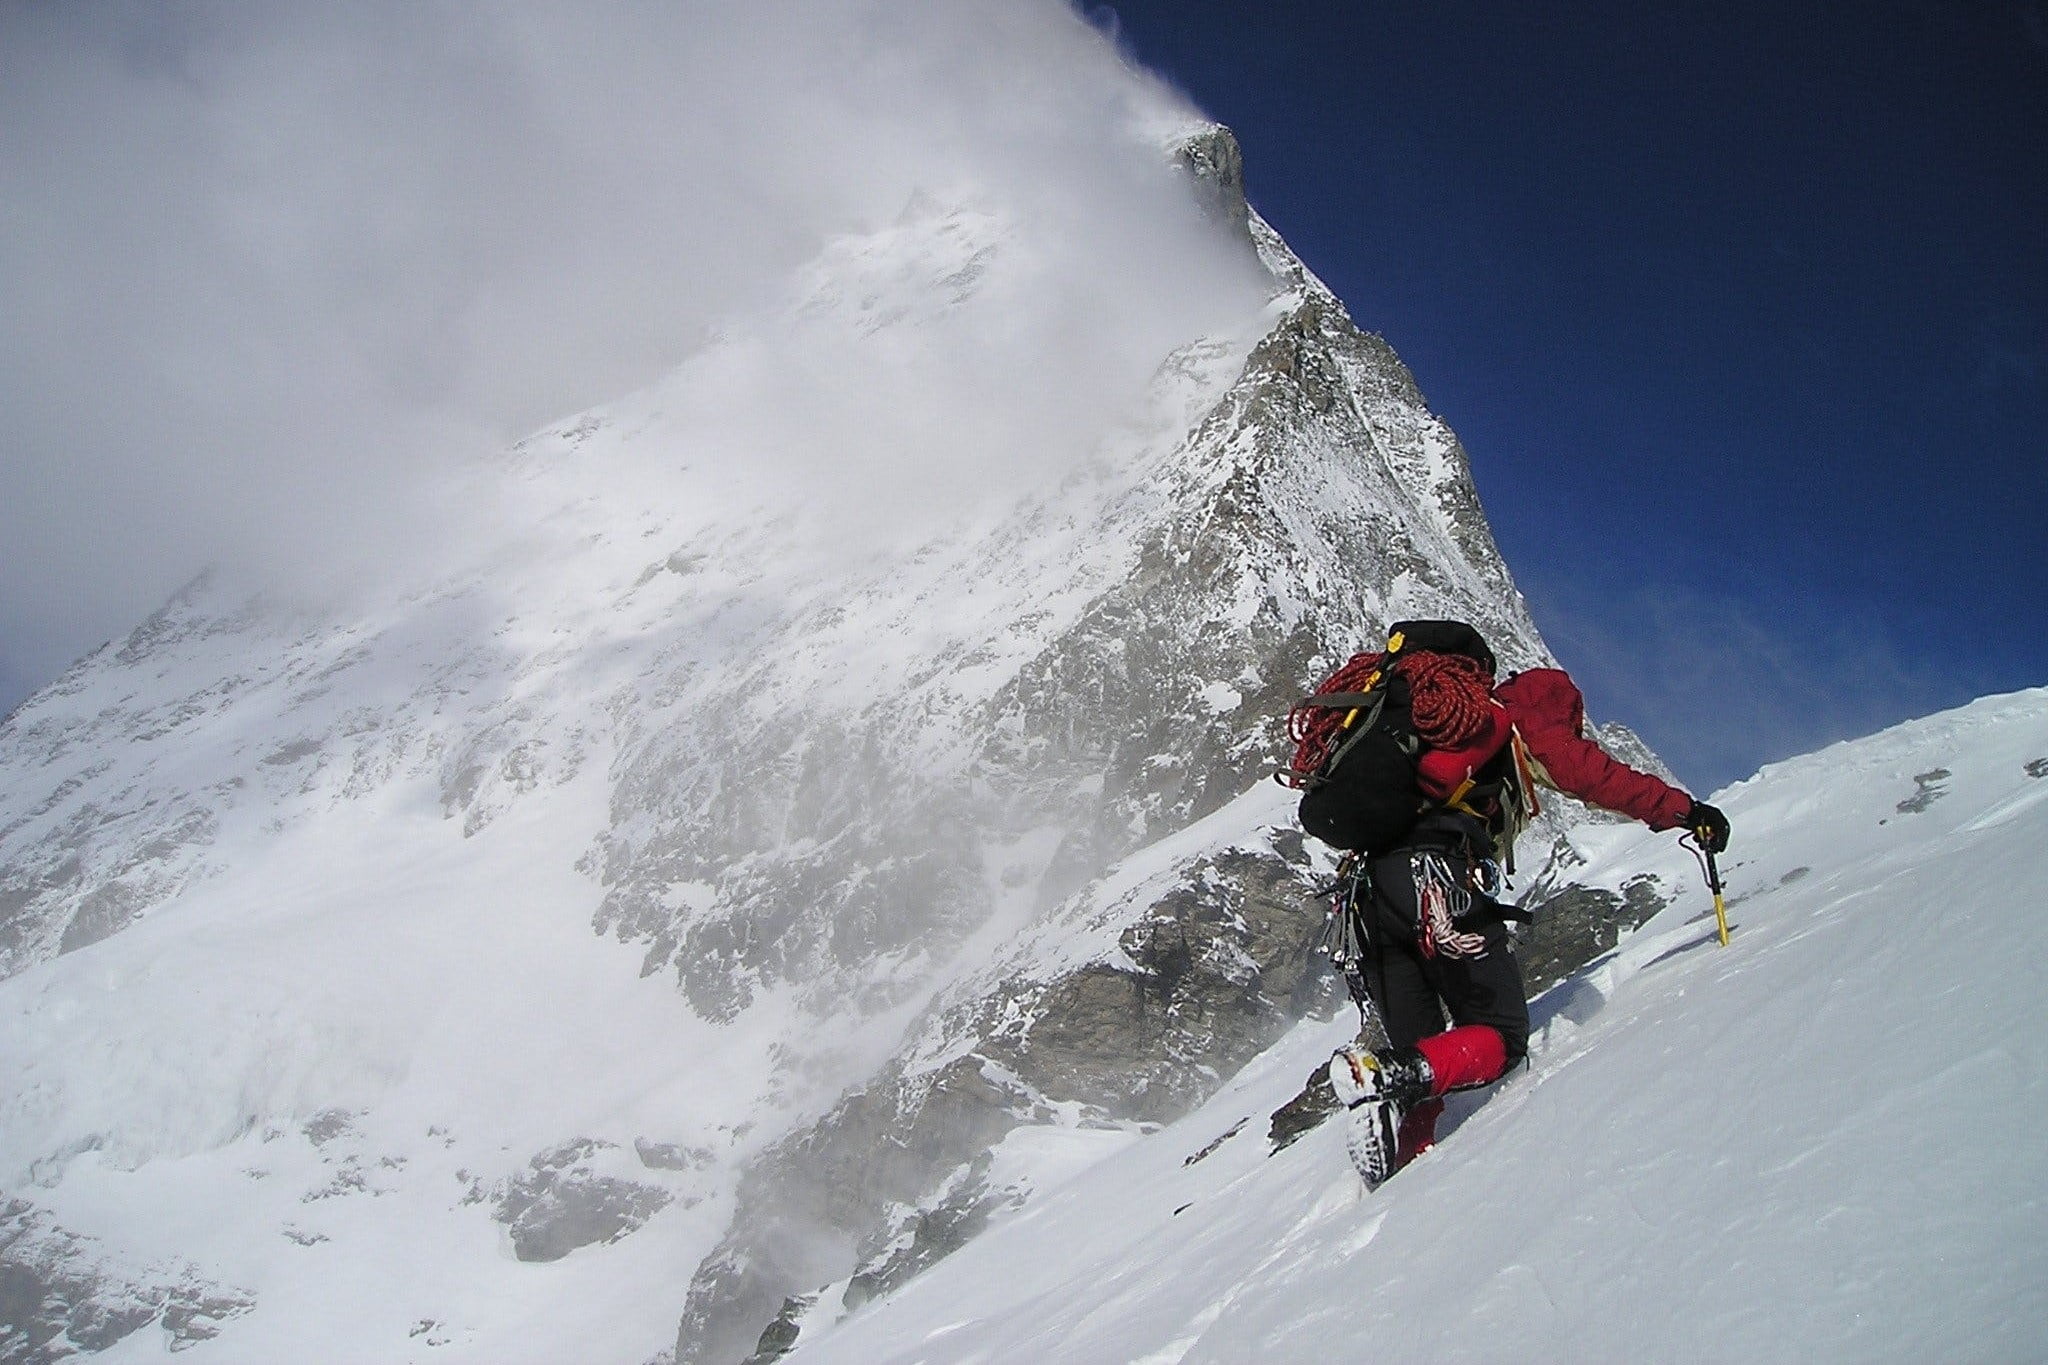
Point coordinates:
pixel 1709 826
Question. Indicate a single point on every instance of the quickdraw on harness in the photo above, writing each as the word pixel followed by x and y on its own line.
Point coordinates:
pixel 1443 897
pixel 1343 937
pixel 1441 901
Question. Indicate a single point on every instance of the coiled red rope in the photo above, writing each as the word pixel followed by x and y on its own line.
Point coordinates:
pixel 1448 696
pixel 1448 699
pixel 1314 729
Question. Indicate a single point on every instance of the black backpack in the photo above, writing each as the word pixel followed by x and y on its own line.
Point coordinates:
pixel 1357 770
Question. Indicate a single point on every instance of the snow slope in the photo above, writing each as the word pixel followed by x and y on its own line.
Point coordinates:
pixel 1824 1142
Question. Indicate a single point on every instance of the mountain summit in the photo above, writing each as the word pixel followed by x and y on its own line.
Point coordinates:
pixel 739 844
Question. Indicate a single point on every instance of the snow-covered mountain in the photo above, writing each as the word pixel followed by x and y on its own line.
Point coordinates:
pixel 700 883
pixel 1819 1143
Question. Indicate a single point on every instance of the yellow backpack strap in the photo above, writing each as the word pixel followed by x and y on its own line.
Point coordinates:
pixel 1386 661
pixel 1456 800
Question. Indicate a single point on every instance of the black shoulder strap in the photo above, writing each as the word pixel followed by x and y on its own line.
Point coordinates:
pixel 1343 701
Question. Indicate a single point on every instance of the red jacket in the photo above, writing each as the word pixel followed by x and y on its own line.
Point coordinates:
pixel 1546 708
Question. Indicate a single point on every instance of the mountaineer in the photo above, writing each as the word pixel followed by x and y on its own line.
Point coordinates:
pixel 1423 771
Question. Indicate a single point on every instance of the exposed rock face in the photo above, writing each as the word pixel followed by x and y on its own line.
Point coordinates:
pixel 1212 967
pixel 62 1295
pixel 1216 163
pixel 560 1203
pixel 90 855
pixel 1576 924
pixel 1208 976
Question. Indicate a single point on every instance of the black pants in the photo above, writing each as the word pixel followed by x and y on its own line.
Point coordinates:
pixel 1437 944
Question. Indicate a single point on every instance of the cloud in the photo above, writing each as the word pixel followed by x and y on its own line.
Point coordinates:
pixel 272 271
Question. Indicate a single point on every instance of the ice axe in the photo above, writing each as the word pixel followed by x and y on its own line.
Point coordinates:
pixel 1704 851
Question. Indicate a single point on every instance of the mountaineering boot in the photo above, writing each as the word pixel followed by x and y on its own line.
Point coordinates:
pixel 1399 1074
pixel 1378 1088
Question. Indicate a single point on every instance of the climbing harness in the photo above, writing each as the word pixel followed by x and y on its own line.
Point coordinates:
pixel 1344 938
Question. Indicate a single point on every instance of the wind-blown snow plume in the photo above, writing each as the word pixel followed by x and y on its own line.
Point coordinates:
pixel 271 273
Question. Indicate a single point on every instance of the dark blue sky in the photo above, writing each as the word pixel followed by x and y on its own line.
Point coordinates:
pixel 1741 311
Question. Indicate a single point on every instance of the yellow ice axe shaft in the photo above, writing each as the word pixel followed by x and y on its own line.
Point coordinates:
pixel 1720 902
